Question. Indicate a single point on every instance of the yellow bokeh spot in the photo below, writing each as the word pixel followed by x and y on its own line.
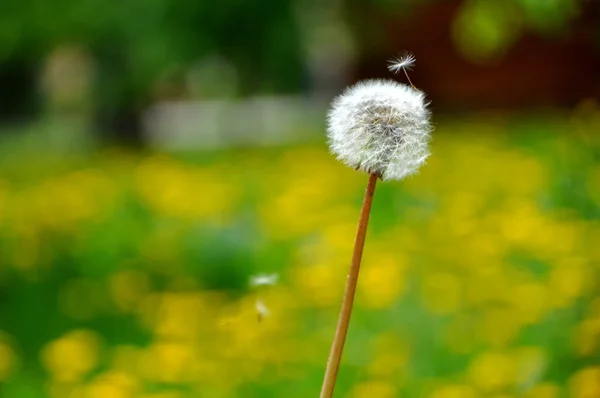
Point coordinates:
pixel 568 280
pixel 491 371
pixel 454 391
pixel 586 337
pixel 586 383
pixel 60 203
pixel 304 203
pixel 529 364
pixel 544 390
pixel 180 316
pixel 369 389
pixel 112 385
pixel 441 293
pixel 179 190
pixel 167 362
pixel 499 326
pixel 521 221
pixel 71 356
pixel 8 360
pixel 340 236
pixel 382 281
pixel 530 300
pixel 487 283
pixel 320 285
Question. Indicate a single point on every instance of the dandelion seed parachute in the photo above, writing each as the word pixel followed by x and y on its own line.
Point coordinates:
pixel 381 127
pixel 263 280
pixel 405 62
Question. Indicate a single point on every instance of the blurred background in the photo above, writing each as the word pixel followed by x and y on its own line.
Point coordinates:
pixel 156 154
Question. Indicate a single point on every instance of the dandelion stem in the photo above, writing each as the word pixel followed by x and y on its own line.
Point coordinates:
pixel 335 356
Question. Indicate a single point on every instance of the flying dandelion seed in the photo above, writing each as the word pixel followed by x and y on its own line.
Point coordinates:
pixel 264 280
pixel 260 281
pixel 261 310
pixel 403 63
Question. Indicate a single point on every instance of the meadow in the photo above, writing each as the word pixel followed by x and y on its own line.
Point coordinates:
pixel 125 274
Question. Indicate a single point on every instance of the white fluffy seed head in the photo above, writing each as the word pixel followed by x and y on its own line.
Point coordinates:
pixel 381 127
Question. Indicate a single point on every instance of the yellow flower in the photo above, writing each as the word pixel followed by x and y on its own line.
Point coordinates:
pixel 112 385
pixel 183 191
pixel 529 364
pixel 8 359
pixel 320 285
pixel 586 383
pixel 167 362
pixel 371 389
pixel 182 316
pixel 531 300
pixel 569 279
pixel 544 390
pixel 71 356
pixel 499 326
pixel 454 391
pixel 488 282
pixel 382 281
pixel 587 337
pixel 491 371
pixel 522 220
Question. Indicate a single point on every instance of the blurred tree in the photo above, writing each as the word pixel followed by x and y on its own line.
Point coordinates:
pixel 18 96
pixel 135 43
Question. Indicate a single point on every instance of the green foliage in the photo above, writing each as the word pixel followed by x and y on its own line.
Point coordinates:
pixel 143 39
pixel 484 30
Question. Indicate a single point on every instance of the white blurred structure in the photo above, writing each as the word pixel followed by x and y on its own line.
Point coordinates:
pixel 210 124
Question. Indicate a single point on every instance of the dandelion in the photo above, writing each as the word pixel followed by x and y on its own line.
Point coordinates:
pixel 381 127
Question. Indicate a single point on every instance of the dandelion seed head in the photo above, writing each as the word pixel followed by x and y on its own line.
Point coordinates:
pixel 381 127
